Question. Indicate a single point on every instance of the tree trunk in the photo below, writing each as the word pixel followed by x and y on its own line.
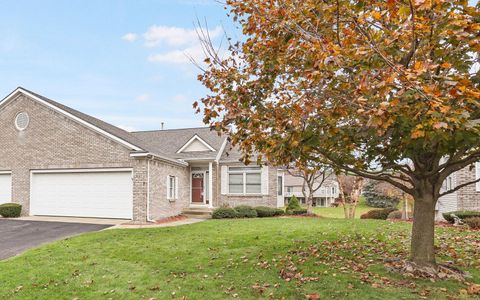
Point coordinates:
pixel 354 209
pixel 423 231
pixel 310 204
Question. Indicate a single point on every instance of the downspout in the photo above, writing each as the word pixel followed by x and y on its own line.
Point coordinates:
pixel 148 191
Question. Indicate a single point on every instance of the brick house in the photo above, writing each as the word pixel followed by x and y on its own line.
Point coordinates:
pixel 466 198
pixel 57 161
pixel 323 197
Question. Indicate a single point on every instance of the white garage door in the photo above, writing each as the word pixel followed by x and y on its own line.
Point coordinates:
pixel 5 188
pixel 82 194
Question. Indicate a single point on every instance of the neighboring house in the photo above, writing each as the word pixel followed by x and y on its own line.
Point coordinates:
pixel 323 197
pixel 466 198
pixel 57 161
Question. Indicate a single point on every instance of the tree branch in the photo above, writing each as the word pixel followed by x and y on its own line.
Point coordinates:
pixel 459 187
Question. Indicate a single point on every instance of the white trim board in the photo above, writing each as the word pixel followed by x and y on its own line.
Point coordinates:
pixel 93 170
pixel 77 119
pixel 195 138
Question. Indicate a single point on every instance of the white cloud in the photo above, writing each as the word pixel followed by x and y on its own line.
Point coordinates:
pixel 181 98
pixel 174 36
pixel 130 37
pixel 179 56
pixel 142 98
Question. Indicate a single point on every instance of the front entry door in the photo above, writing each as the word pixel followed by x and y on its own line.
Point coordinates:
pixel 197 188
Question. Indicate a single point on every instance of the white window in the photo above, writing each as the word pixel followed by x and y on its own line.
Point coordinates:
pixel 477 175
pixel 244 180
pixel 448 183
pixel 289 189
pixel 172 187
pixel 279 185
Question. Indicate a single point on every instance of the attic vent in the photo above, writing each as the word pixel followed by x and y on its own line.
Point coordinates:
pixel 22 120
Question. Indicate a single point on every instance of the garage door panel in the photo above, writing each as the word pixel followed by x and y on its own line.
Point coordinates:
pixel 98 194
pixel 5 188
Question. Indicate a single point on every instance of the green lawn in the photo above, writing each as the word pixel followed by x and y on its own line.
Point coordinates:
pixel 244 259
pixel 337 212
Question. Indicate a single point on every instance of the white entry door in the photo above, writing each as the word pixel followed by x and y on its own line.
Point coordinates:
pixel 5 188
pixel 99 194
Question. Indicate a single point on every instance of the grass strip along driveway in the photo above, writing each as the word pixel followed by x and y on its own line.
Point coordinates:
pixel 244 259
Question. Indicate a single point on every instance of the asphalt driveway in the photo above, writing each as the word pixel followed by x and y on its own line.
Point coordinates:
pixel 16 236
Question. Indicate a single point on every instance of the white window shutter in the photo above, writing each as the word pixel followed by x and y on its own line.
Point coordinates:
pixel 265 180
pixel 176 187
pixel 477 175
pixel 168 187
pixel 224 180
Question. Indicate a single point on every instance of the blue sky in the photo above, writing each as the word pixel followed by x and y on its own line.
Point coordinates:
pixel 121 61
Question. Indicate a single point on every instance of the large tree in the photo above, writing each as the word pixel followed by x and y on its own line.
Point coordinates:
pixel 388 90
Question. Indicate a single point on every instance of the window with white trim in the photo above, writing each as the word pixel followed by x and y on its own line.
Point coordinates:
pixel 172 187
pixel 244 180
pixel 448 183
pixel 279 185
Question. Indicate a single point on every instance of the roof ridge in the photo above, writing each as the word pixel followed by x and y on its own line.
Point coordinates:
pixel 173 129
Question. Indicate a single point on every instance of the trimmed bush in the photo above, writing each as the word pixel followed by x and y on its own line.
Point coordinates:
pixel 462 214
pixel 265 212
pixel 375 198
pixel 224 213
pixel 473 222
pixel 379 214
pixel 245 211
pixel 10 210
pixel 395 215
pixel 293 204
pixel 298 212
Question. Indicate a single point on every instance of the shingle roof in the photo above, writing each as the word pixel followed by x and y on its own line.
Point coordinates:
pixel 171 140
pixel 162 143
pixel 106 127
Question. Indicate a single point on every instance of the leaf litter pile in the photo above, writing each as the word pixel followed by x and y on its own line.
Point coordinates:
pixel 358 257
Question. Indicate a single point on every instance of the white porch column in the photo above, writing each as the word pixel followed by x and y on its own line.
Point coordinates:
pixel 210 184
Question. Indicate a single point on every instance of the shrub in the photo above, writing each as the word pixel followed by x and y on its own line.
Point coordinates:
pixel 380 214
pixel 10 210
pixel 265 211
pixel 245 211
pixel 473 222
pixel 462 214
pixel 293 204
pixel 395 215
pixel 298 212
pixel 376 198
pixel 224 213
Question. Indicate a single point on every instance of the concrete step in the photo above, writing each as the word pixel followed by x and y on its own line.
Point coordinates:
pixel 198 212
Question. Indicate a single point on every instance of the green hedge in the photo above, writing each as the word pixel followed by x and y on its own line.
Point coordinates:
pixel 224 213
pixel 265 212
pixel 10 210
pixel 462 214
pixel 379 214
pixel 245 211
pixel 298 212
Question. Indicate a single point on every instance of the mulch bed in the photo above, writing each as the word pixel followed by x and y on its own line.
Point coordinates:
pixel 171 219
